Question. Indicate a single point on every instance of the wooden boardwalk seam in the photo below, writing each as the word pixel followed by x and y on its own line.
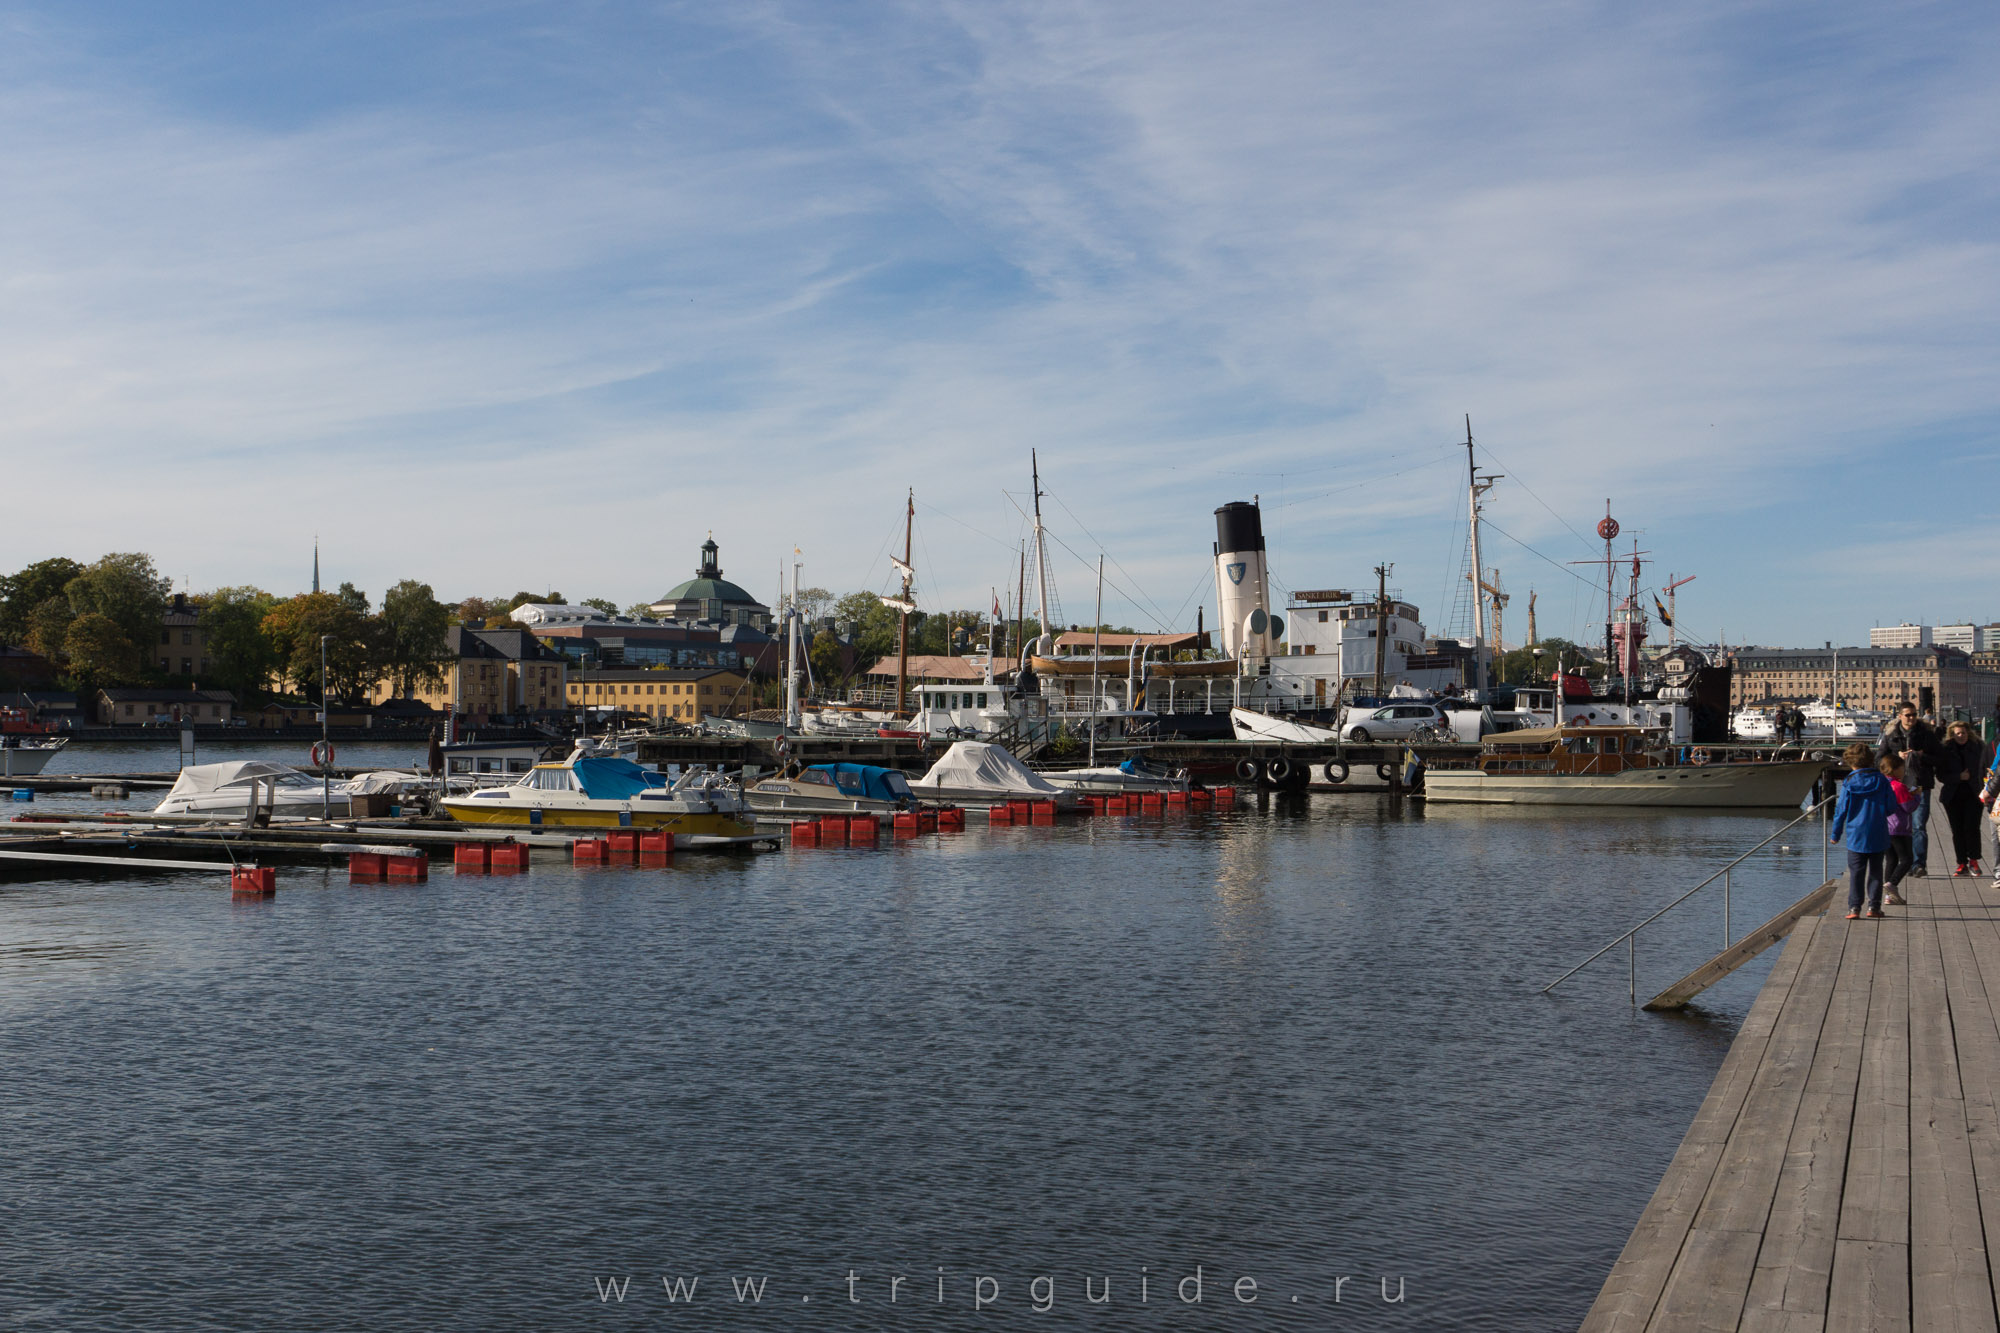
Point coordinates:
pixel 1844 1170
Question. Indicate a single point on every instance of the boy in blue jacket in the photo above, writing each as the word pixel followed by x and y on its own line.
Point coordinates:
pixel 1862 811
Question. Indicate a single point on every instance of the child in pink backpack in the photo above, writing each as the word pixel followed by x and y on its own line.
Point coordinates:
pixel 1897 863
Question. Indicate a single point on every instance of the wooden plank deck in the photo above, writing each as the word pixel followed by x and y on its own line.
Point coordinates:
pixel 1844 1170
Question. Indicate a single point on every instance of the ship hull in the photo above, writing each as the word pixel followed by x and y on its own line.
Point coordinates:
pixel 1715 786
pixel 679 823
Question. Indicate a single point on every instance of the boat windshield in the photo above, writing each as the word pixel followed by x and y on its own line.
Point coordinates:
pixel 551 778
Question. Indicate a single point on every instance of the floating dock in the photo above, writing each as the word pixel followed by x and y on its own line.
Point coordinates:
pixel 1844 1171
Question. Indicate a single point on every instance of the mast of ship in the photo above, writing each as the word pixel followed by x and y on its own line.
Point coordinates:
pixel 1629 663
pixel 1041 552
pixel 903 612
pixel 793 720
pixel 1381 623
pixel 1021 610
pixel 1476 487
pixel 1673 617
pixel 1096 649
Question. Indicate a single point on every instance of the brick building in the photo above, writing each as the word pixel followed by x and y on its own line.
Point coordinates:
pixel 664 695
pixel 1932 677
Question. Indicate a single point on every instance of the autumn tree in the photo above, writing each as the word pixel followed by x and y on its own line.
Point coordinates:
pixel 47 626
pixel 296 627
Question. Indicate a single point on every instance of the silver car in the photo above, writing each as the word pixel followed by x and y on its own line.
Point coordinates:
pixel 1394 722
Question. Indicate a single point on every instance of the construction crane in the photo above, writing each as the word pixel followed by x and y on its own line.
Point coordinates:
pixel 1492 590
pixel 1673 583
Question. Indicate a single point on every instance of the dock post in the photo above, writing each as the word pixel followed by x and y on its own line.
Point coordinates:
pixel 1825 872
pixel 1725 909
pixel 1632 964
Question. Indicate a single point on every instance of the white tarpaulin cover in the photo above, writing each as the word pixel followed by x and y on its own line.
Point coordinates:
pixel 200 779
pixel 978 766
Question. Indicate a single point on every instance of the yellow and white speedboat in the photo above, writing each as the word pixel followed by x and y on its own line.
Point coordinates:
pixel 603 791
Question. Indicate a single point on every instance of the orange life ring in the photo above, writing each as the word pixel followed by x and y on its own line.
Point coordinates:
pixel 1699 758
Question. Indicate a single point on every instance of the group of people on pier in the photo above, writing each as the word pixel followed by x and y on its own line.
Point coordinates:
pixel 1884 806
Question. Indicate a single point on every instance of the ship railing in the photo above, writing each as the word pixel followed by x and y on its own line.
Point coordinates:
pixel 1629 939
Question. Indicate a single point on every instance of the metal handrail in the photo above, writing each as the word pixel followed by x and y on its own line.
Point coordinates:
pixel 1629 937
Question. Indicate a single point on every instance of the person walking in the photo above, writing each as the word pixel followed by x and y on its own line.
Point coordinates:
pixel 1861 814
pixel 1897 863
pixel 1961 771
pixel 1916 744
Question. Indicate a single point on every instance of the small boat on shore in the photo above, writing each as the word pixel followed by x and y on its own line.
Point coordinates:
pixel 1613 766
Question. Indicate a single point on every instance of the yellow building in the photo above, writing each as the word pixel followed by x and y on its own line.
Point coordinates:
pixel 684 695
pixel 494 673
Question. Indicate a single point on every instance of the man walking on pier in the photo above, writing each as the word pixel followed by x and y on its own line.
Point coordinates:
pixel 1918 744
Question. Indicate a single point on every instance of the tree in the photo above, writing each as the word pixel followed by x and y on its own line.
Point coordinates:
pixel 47 626
pixel 604 604
pixel 813 602
pixel 473 611
pixel 125 589
pixel 415 626
pixel 22 593
pixel 296 626
pixel 241 655
pixel 871 625
pixel 355 599
pixel 639 610
pixel 99 652
pixel 1518 665
pixel 828 660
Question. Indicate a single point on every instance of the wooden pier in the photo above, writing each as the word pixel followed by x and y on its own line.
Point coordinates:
pixel 1844 1171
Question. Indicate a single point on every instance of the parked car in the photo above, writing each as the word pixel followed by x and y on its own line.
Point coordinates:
pixel 1394 722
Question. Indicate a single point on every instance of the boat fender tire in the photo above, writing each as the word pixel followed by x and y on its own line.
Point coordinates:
pixel 1279 770
pixel 1336 772
pixel 1246 770
pixel 322 753
pixel 1386 772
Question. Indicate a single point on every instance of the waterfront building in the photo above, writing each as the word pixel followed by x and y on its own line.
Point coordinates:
pixel 492 673
pixel 1904 635
pixel 1932 677
pixel 138 707
pixel 183 646
pixel 663 694
pixel 1967 638
pixel 710 599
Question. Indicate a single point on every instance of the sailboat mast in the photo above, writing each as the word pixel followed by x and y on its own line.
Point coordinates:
pixel 1478 593
pixel 1021 609
pixel 903 616
pixel 1041 553
pixel 1096 653
pixel 792 718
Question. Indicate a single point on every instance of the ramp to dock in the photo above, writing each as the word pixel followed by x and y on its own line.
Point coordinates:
pixel 1844 1171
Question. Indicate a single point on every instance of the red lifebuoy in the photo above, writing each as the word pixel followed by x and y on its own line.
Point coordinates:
pixel 322 754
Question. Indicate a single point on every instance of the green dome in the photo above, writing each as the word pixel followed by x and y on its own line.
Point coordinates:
pixel 709 590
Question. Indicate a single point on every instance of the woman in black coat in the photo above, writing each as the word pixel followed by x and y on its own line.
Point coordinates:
pixel 1961 771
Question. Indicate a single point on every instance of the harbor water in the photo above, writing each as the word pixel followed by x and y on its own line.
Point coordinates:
pixel 1249 1069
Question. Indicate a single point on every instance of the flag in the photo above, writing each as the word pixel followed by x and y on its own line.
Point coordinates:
pixel 1665 619
pixel 996 608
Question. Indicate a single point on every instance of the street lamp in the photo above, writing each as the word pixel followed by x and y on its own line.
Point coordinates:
pixel 325 749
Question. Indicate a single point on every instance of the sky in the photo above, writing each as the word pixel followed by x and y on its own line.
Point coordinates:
pixel 511 296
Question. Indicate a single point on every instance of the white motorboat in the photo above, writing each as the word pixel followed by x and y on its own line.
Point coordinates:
pixel 827 789
pixel 1824 721
pixel 228 790
pixel 1251 725
pixel 1134 775
pixel 975 773
pixel 25 756
pixel 1753 724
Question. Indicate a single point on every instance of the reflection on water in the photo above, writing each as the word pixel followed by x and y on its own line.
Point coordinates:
pixel 1295 1042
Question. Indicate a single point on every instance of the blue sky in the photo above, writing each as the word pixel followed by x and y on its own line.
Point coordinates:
pixel 504 295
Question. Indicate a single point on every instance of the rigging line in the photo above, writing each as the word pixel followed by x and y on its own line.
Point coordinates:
pixel 1112 558
pixel 1489 523
pixel 1519 481
pixel 1200 579
pixel 1357 485
pixel 1130 601
pixel 967 526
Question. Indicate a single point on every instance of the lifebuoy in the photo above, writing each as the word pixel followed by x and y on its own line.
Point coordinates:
pixel 1699 758
pixel 322 754
pixel 1246 770
pixel 1336 772
pixel 1386 772
pixel 1279 770
pixel 782 746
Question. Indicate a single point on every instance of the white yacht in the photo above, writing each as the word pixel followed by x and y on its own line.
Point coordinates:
pixel 228 790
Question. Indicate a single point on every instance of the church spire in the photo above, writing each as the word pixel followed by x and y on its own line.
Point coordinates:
pixel 315 562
